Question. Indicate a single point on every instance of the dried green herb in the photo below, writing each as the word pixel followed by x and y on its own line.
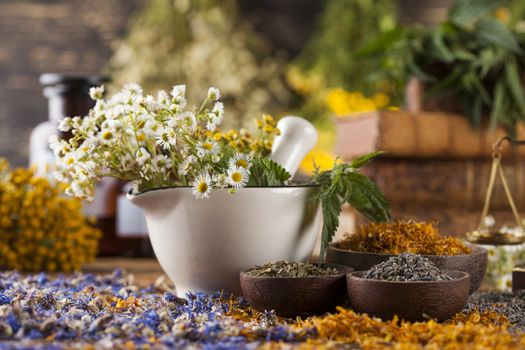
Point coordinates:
pixel 290 269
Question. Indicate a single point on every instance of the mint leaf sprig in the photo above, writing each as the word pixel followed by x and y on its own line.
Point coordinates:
pixel 264 172
pixel 343 184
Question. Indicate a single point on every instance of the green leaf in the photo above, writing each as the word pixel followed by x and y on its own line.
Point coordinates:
pixel 482 92
pixel 514 84
pixel 493 32
pixel 497 107
pixel 331 208
pixel 464 12
pixel 382 42
pixel 445 85
pixel 490 58
pixel 363 160
pixel 440 49
pixel 368 198
pixel 264 172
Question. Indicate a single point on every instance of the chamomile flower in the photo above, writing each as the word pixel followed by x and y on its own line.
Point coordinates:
pixel 214 93
pixel 112 125
pixel 207 148
pixel 237 177
pixel 142 155
pixel 218 112
pixel 59 147
pixel 186 165
pixel 178 91
pixel 106 136
pixel 166 137
pixel 151 104
pixel 161 162
pixel 186 120
pixel 96 93
pixel 133 89
pixel 69 160
pixel 241 160
pixel 220 181
pixel 201 186
pixel 162 98
pixel 65 124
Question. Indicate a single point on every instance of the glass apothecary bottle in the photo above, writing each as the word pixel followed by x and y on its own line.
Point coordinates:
pixel 68 96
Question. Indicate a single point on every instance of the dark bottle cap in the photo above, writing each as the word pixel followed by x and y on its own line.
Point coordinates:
pixel 69 83
pixel 68 95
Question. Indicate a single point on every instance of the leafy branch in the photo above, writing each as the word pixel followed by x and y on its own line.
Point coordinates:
pixel 343 184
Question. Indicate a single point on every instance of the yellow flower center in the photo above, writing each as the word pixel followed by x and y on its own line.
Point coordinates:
pixel 202 187
pixel 70 161
pixel 207 146
pixel 242 163
pixel 268 129
pixel 107 135
pixel 236 176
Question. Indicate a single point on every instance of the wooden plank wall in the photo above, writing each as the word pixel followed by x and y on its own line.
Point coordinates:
pixel 38 36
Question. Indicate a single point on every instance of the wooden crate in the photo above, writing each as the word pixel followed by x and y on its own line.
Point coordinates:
pixel 420 135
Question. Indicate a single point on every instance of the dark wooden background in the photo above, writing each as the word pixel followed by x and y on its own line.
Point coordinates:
pixel 38 36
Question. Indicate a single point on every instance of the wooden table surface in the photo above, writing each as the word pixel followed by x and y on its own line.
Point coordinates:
pixel 146 271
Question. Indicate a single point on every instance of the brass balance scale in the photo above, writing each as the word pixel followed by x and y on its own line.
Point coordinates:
pixel 484 235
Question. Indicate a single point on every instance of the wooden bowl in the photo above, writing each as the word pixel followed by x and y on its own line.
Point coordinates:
pixel 411 300
pixel 474 263
pixel 518 278
pixel 296 296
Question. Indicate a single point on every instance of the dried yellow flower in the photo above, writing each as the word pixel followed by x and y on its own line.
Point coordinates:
pixel 39 228
pixel 402 236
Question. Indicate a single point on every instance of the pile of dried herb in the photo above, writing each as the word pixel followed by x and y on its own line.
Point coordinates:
pixel 402 236
pixel 406 267
pixel 477 330
pixel 290 269
pixel 511 305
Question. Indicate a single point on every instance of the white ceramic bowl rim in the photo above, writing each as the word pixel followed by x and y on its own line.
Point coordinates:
pixel 134 194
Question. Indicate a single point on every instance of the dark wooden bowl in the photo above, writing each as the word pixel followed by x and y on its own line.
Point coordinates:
pixel 296 296
pixel 474 263
pixel 411 301
pixel 518 278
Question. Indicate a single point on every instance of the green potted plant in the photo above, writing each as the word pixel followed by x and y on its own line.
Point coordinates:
pixel 473 62
pixel 215 202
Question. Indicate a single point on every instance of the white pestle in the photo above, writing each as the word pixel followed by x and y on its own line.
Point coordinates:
pixel 298 137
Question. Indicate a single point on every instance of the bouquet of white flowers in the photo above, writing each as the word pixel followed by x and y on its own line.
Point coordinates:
pixel 158 142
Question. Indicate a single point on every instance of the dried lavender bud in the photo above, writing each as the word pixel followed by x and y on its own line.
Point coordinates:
pixel 511 305
pixel 290 269
pixel 406 267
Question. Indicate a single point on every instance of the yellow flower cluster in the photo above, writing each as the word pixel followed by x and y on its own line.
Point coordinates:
pixel 343 103
pixel 40 229
pixel 302 83
pixel 244 142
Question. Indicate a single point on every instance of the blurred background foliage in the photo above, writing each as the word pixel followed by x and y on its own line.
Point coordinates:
pixel 214 42
pixel 203 43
